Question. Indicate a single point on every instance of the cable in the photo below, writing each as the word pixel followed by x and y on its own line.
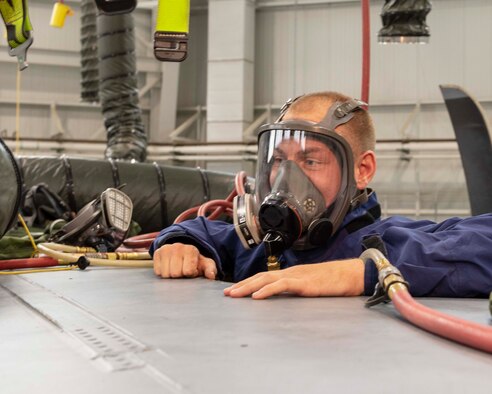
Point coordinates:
pixel 17 112
pixel 73 254
pixel 29 235
pixel 459 330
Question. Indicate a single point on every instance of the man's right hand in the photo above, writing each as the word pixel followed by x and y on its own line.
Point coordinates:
pixel 179 260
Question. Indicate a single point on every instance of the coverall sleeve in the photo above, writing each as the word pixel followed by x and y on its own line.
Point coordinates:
pixel 213 238
pixel 449 259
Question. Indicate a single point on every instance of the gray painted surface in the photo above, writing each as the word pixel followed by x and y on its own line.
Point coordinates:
pixel 184 336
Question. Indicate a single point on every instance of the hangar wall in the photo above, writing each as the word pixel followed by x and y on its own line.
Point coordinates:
pixel 299 46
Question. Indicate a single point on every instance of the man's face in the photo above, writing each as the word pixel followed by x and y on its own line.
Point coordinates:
pixel 317 162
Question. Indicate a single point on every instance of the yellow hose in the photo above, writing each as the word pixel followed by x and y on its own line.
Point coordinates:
pixel 71 254
pixel 32 271
pixel 17 112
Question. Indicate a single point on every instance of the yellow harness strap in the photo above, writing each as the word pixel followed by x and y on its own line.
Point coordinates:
pixel 19 29
pixel 172 26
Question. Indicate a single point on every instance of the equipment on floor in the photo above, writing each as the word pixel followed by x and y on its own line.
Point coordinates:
pixel 102 224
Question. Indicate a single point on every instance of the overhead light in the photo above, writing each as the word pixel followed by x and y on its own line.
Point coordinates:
pixel 404 22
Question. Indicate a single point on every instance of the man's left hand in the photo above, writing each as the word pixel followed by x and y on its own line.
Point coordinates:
pixel 334 278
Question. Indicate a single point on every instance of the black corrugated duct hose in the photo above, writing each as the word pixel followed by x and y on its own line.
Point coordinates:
pixel 10 188
pixel 118 88
pixel 404 18
pixel 159 193
pixel 88 52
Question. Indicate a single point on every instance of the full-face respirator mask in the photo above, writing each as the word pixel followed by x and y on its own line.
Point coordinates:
pixel 102 223
pixel 304 183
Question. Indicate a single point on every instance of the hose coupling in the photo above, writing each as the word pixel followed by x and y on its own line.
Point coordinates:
pixel 390 278
pixel 272 263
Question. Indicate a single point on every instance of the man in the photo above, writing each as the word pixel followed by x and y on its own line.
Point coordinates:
pixel 313 211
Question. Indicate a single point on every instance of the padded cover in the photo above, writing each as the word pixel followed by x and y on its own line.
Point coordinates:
pixel 10 188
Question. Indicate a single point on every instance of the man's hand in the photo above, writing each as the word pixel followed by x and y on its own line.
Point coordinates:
pixel 180 260
pixel 335 278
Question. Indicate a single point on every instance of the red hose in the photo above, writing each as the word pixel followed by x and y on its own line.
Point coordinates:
pixel 216 206
pixel 186 214
pixel 239 182
pixel 468 333
pixel 366 51
pixel 28 263
pixel 140 241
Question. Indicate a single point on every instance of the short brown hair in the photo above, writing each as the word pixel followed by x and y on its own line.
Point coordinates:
pixel 359 131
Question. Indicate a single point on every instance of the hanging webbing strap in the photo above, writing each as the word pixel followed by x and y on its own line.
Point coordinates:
pixel 19 29
pixel 171 30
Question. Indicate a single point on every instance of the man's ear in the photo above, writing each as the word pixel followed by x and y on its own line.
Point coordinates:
pixel 365 168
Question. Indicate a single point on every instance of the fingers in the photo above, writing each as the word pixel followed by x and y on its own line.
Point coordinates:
pixel 283 285
pixel 189 262
pixel 161 262
pixel 245 282
pixel 261 286
pixel 207 267
pixel 179 260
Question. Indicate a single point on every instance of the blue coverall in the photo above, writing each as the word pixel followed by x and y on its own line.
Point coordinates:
pixel 448 259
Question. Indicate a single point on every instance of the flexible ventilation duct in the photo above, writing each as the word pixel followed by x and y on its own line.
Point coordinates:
pixel 88 51
pixel 10 188
pixel 159 193
pixel 118 88
pixel 404 21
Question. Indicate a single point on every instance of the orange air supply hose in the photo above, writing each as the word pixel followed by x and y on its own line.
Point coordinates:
pixel 459 330
pixel 214 208
pixel 468 333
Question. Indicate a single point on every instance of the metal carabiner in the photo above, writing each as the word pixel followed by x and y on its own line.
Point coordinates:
pixel 21 52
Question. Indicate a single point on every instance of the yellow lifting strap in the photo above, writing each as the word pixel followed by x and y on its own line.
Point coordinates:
pixel 19 29
pixel 171 30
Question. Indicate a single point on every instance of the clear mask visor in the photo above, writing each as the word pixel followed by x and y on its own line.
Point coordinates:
pixel 308 166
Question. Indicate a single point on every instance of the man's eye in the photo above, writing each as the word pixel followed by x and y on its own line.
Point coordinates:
pixel 312 162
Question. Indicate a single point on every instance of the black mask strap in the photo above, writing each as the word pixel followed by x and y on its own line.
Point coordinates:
pixel 340 113
pixel 286 106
